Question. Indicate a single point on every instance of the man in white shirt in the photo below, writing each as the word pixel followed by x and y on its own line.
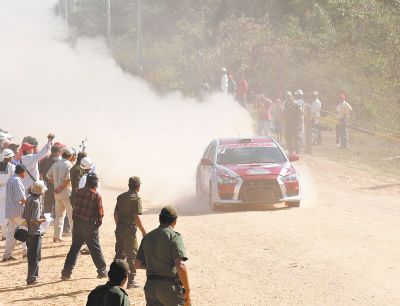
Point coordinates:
pixel 224 81
pixel 315 109
pixel 59 174
pixel 342 112
pixel 30 158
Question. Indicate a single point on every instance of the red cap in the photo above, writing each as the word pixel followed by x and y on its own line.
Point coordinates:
pixel 59 144
pixel 26 146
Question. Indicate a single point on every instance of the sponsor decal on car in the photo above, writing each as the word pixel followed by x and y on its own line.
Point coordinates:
pixel 258 171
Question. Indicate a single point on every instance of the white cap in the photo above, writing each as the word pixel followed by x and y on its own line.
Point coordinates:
pixel 38 187
pixel 7 153
pixel 223 69
pixel 315 93
pixel 299 92
pixel 86 163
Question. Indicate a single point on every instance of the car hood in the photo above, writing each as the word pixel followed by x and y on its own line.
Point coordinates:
pixel 260 170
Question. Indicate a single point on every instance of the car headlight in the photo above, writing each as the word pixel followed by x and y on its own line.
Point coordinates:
pixel 290 178
pixel 223 176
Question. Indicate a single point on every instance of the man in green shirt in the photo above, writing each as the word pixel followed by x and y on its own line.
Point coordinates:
pixel 111 294
pixel 162 254
pixel 127 219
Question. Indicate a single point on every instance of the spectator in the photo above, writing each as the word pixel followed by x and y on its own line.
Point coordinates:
pixel 263 107
pixel 232 86
pixel 292 119
pixel 112 294
pixel 315 109
pixel 241 93
pixel 6 171
pixel 343 111
pixel 15 201
pixel 224 81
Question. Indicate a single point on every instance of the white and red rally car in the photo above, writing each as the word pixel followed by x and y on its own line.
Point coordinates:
pixel 247 170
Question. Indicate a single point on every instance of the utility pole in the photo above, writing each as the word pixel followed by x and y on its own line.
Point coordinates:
pixel 66 14
pixel 139 38
pixel 109 23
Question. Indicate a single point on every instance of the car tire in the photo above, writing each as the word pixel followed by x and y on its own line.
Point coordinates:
pixel 293 204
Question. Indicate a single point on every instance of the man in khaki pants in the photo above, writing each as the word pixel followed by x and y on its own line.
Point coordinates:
pixel 59 174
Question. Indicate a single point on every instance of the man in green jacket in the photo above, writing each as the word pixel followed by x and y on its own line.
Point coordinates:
pixel 162 254
pixel 111 294
pixel 127 219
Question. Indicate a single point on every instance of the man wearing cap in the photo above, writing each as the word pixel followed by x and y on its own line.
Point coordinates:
pixel 59 175
pixel 127 219
pixel 15 201
pixel 33 216
pixel 44 166
pixel 162 254
pixel 87 167
pixel 343 111
pixel 76 173
pixel 30 158
pixel 112 294
pixel 6 171
pixel 88 216
pixel 315 117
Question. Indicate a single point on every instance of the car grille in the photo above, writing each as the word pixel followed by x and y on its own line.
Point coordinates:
pixel 267 191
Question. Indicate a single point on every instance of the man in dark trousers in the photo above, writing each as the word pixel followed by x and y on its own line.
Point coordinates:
pixel 111 294
pixel 162 254
pixel 127 219
pixel 292 117
pixel 88 214
pixel 34 217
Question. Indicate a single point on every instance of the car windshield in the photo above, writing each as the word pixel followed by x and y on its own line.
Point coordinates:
pixel 250 155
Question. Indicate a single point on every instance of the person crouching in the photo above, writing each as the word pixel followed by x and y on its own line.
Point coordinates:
pixel 33 216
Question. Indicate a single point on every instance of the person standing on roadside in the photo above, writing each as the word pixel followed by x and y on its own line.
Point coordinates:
pixel 88 216
pixel 127 219
pixel 292 120
pixel 6 171
pixel 44 166
pixel 224 81
pixel 163 255
pixel 59 175
pixel 241 93
pixel 33 216
pixel 264 113
pixel 15 201
pixel 112 293
pixel 315 117
pixel 342 112
pixel 31 157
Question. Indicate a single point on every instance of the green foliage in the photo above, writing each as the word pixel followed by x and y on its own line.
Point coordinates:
pixel 334 46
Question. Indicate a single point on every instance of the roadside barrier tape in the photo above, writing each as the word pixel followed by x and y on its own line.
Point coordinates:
pixel 350 126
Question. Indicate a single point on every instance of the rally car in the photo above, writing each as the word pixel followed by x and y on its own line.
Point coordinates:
pixel 247 170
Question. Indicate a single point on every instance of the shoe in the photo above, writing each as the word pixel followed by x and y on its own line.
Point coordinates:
pixel 65 278
pixel 9 259
pixel 102 275
pixel 132 285
pixel 58 240
pixel 32 282
pixel 131 282
pixel 85 251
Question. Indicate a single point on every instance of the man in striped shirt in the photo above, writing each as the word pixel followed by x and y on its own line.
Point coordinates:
pixel 87 215
pixel 15 201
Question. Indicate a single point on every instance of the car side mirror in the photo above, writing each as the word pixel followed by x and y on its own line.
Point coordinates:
pixel 293 158
pixel 206 162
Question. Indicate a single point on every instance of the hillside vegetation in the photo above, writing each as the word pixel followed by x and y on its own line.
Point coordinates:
pixel 330 45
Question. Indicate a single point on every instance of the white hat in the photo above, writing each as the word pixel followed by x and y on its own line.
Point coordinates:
pixel 3 136
pixel 68 151
pixel 299 92
pixel 38 187
pixel 223 69
pixel 86 163
pixel 7 153
pixel 315 93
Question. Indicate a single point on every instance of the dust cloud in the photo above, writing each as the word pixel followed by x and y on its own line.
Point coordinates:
pixel 78 91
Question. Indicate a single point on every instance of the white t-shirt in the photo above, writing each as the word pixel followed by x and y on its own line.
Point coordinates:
pixel 343 110
pixel 316 107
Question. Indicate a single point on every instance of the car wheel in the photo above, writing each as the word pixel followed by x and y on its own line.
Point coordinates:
pixel 293 204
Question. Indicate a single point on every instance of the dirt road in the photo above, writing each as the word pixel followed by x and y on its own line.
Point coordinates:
pixel 340 248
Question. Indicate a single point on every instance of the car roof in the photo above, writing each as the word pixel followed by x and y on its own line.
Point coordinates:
pixel 245 140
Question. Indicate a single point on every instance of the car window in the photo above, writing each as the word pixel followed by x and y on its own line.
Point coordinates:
pixel 208 150
pixel 250 155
